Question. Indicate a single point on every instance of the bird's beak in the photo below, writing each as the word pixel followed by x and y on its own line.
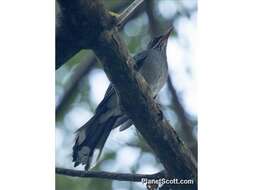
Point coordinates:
pixel 168 33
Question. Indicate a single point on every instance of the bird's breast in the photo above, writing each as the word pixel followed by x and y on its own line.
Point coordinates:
pixel 155 71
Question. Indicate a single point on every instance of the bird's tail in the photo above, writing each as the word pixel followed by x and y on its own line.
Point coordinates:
pixel 91 139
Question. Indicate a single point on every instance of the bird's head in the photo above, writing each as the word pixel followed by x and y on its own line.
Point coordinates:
pixel 160 41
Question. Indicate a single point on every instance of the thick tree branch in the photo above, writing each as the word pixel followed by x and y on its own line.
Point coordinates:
pixel 70 24
pixel 136 98
pixel 73 31
pixel 86 65
pixel 108 175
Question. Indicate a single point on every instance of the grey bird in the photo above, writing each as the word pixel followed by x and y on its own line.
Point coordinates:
pixel 91 137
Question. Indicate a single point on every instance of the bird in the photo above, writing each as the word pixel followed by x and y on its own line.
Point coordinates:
pixel 91 137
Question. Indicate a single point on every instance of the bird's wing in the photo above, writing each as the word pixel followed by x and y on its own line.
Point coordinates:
pixel 139 60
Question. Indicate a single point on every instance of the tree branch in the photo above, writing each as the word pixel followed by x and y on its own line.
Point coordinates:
pixel 73 32
pixel 137 101
pixel 69 36
pixel 86 65
pixel 108 175
pixel 128 12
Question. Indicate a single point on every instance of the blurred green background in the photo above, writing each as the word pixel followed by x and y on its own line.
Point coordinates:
pixel 81 84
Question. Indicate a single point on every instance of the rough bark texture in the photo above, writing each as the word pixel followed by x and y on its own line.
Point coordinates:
pixel 79 30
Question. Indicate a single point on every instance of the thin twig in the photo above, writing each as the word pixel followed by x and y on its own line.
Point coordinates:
pixel 108 175
pixel 128 12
